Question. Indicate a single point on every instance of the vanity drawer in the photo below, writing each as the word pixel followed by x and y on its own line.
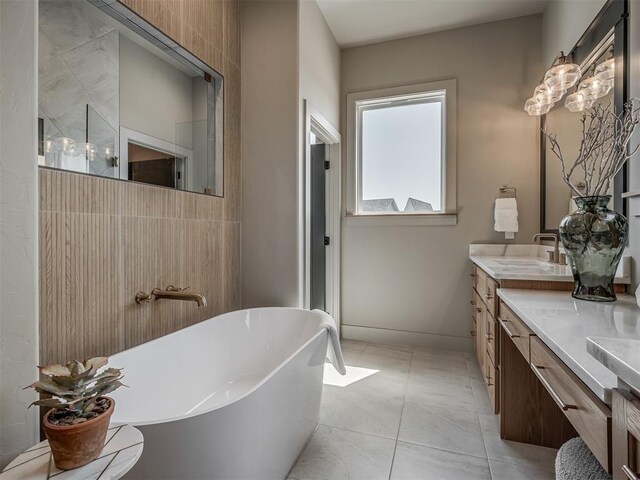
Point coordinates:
pixel 476 305
pixel 490 336
pixel 587 413
pixel 491 378
pixel 474 276
pixel 479 340
pixel 516 329
pixel 490 295
pixel 481 279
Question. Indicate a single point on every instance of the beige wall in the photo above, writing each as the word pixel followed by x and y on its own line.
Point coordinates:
pixel 288 55
pixel 319 63
pixel 416 279
pixel 270 151
pixel 154 95
pixel 18 226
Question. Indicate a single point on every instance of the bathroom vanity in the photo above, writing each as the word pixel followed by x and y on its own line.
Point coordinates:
pixel 514 267
pixel 550 388
pixel 530 339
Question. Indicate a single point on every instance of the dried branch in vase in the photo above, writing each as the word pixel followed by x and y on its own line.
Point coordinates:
pixel 604 148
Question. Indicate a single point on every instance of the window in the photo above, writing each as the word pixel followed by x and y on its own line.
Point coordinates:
pixel 403 151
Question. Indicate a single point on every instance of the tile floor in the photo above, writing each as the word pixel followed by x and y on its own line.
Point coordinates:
pixel 424 415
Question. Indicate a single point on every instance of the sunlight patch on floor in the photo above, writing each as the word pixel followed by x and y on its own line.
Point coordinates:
pixel 354 374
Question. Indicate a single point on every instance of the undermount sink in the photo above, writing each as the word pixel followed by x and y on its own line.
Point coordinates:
pixel 523 263
pixel 528 269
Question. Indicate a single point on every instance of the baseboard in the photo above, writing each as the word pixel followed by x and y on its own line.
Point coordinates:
pixel 399 337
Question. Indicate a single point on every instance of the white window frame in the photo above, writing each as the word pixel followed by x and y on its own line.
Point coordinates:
pixel 422 93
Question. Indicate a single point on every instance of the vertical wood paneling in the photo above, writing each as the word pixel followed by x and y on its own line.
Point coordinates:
pixel 207 28
pixel 232 143
pixel 102 240
pixel 232 266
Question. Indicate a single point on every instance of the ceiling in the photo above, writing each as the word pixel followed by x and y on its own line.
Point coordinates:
pixel 358 22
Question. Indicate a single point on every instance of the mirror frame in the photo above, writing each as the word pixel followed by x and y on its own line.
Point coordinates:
pixel 613 18
pixel 140 26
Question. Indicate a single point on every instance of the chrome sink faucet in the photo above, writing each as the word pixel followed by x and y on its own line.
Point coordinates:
pixel 555 257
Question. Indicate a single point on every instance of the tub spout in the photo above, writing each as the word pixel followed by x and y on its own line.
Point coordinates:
pixel 171 293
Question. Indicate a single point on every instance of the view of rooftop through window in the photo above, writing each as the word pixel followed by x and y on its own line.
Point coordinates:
pixel 402 158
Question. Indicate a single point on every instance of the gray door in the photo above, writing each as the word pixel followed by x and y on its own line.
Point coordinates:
pixel 318 227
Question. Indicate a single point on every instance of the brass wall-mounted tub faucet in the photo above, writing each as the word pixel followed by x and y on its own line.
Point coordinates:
pixel 171 293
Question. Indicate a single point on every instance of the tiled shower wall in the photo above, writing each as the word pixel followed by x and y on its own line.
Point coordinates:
pixel 102 240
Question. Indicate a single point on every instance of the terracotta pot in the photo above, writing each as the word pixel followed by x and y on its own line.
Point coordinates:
pixel 73 446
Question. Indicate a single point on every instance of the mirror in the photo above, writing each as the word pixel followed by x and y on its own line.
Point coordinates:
pixel 567 127
pixel 604 39
pixel 119 99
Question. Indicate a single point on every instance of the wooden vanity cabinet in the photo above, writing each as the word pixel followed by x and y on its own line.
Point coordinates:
pixel 625 435
pixel 542 401
pixel 484 331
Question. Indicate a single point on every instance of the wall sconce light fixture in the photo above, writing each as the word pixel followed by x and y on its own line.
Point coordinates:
pixel 564 75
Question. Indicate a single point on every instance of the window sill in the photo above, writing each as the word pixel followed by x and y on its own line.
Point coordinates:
pixel 417 220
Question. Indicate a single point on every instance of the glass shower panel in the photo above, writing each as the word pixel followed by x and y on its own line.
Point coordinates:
pixel 87 145
pixel 102 147
pixel 61 146
pixel 192 142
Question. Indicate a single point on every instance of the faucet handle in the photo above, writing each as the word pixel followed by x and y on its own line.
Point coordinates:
pixel 173 288
pixel 144 297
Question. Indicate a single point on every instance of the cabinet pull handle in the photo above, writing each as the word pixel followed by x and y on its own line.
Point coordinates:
pixel 489 295
pixel 489 336
pixel 472 274
pixel 489 383
pixel 473 302
pixel 478 309
pixel 629 473
pixel 473 333
pixel 506 329
pixel 556 398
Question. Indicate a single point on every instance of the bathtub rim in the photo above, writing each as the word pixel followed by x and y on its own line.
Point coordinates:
pixel 196 412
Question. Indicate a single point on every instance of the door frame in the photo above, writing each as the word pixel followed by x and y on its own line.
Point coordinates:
pixel 315 123
pixel 128 135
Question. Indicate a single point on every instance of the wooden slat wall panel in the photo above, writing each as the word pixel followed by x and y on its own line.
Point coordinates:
pixel 102 240
pixel 207 28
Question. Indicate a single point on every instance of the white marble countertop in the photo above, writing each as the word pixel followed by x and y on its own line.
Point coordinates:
pixel 122 449
pixel 529 262
pixel 564 323
pixel 620 355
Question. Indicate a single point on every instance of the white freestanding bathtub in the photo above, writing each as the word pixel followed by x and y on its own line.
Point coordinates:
pixel 233 397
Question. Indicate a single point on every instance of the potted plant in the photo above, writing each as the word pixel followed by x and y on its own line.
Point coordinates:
pixel 77 424
pixel 594 236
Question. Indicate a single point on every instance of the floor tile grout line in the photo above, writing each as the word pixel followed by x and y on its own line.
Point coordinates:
pixel 404 400
pixel 448 451
pixel 356 431
pixel 482 430
pixel 475 405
